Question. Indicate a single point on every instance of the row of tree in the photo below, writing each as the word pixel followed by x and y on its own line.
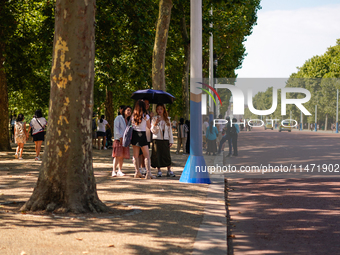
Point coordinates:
pixel 320 75
pixel 139 44
pixel 82 76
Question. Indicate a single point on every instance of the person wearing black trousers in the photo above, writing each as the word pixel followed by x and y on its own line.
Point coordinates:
pixel 235 129
pixel 226 137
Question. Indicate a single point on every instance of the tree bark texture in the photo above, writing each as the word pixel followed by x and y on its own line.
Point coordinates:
pixel 159 50
pixel 186 70
pixel 66 181
pixel 4 118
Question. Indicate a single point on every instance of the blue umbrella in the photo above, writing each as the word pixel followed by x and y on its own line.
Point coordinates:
pixel 154 96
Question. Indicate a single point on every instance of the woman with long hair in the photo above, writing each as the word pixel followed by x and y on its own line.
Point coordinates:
pixel 140 120
pixel 162 140
pixel 38 124
pixel 119 152
pixel 101 131
pixel 20 135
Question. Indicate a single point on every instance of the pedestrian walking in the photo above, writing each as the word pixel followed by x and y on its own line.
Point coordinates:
pixel 162 140
pixel 20 135
pixel 226 137
pixel 204 131
pixel 140 120
pixel 119 153
pixel 13 119
pixel 182 134
pixel 101 131
pixel 235 129
pixel 38 124
pixel 94 130
pixel 211 135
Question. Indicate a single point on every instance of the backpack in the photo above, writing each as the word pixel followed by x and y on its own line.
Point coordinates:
pixel 233 130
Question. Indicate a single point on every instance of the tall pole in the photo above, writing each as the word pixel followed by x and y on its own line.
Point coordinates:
pixel 301 121
pixel 195 170
pixel 315 126
pixel 337 111
pixel 211 63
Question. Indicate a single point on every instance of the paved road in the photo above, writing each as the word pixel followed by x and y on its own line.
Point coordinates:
pixel 297 151
pixel 289 215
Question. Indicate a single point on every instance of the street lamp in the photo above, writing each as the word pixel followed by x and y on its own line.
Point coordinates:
pixel 215 71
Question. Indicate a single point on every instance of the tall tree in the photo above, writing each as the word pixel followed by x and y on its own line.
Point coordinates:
pixel 4 137
pixel 66 181
pixel 7 25
pixel 158 57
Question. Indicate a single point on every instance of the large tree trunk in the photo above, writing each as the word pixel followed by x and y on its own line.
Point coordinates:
pixel 66 181
pixel 4 120
pixel 326 122
pixel 159 50
pixel 4 131
pixel 186 69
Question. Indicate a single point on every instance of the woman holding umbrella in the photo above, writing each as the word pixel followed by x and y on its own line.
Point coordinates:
pixel 140 120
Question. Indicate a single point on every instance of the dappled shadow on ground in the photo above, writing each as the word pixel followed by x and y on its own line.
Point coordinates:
pixel 284 216
pixel 165 219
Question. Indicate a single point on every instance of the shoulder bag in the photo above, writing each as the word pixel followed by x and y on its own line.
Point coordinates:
pixel 127 136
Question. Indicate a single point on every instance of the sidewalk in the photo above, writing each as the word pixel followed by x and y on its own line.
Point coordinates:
pixel 162 216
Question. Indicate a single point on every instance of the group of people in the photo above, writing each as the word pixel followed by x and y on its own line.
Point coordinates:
pixel 216 136
pixel 37 125
pixel 146 129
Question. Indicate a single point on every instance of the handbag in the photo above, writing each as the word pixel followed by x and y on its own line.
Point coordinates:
pixel 127 136
pixel 41 126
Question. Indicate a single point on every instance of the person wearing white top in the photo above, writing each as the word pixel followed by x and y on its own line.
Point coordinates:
pixel 101 131
pixel 148 138
pixel 118 151
pixel 140 120
pixel 162 141
pixel 38 124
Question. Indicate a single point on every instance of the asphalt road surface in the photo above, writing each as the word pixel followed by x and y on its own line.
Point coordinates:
pixel 296 154
pixel 288 213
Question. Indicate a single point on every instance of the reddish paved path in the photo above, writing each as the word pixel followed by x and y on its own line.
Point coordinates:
pixel 298 148
pixel 285 216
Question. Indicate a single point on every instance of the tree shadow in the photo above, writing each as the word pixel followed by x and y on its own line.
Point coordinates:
pixel 167 213
pixel 284 216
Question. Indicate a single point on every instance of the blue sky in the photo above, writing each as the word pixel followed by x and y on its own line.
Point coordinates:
pixel 287 34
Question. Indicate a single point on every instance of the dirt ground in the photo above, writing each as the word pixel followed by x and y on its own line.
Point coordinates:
pixel 151 217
